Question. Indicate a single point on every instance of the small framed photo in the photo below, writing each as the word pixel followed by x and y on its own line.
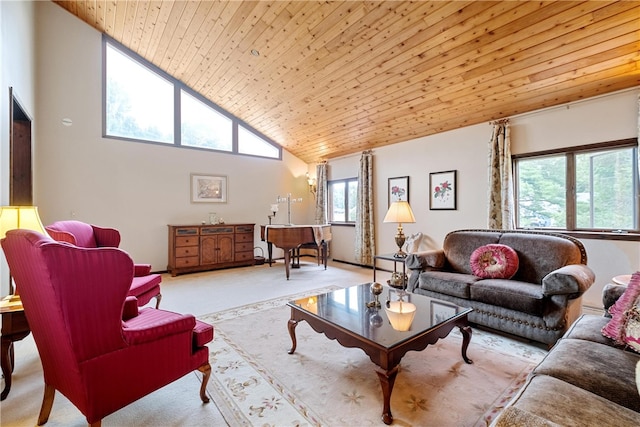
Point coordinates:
pixel 443 191
pixel 208 188
pixel 441 311
pixel 398 189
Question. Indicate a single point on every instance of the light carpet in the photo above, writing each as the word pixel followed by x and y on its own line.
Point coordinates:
pixel 256 382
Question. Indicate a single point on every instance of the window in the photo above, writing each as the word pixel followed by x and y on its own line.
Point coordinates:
pixel 139 103
pixel 142 103
pixel 591 188
pixel 343 196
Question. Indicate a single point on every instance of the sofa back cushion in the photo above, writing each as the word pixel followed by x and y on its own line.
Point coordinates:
pixel 459 245
pixel 538 253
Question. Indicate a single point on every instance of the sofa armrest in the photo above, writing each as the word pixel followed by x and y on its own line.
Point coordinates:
pixel 571 279
pixel 610 294
pixel 152 324
pixel 428 259
pixel 140 270
pixel 130 309
pixel 106 237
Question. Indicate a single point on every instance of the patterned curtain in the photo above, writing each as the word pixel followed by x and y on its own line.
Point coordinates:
pixel 501 203
pixel 365 241
pixel 321 193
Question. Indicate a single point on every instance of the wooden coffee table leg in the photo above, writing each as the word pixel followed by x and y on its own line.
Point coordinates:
pixel 387 379
pixel 466 339
pixel 291 325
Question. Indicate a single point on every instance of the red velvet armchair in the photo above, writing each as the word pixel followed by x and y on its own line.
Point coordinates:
pixel 96 346
pixel 144 287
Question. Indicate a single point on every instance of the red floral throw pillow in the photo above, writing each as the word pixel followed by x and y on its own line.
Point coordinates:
pixel 615 329
pixel 494 261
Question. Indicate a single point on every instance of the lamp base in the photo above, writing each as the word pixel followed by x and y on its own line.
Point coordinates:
pixel 400 239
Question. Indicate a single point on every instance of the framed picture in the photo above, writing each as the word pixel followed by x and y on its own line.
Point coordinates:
pixel 441 311
pixel 398 189
pixel 208 188
pixel 443 191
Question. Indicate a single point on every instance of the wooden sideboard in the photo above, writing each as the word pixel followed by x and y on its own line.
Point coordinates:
pixel 209 247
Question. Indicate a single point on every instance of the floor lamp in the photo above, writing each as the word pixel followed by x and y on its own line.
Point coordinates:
pixel 19 217
pixel 400 212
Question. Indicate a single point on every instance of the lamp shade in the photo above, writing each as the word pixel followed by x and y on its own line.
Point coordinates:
pixel 400 314
pixel 399 212
pixel 23 217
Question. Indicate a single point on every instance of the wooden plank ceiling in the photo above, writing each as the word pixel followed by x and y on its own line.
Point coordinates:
pixel 337 77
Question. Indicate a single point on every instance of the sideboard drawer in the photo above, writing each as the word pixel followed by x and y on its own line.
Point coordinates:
pixel 187 261
pixel 240 247
pixel 244 256
pixel 186 251
pixel 187 241
pixel 245 237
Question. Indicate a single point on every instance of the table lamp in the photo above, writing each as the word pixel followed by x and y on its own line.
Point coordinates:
pixel 19 217
pixel 400 212
pixel 400 314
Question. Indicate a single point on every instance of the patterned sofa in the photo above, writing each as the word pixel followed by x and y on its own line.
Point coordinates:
pixel 540 301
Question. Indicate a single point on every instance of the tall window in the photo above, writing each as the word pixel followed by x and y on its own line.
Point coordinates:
pixel 142 103
pixel 592 188
pixel 343 196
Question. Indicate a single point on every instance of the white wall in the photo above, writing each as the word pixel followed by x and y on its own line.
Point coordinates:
pixel 607 118
pixel 137 188
pixel 17 68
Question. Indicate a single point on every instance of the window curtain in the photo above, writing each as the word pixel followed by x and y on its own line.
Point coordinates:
pixel 365 240
pixel 501 202
pixel 639 135
pixel 321 193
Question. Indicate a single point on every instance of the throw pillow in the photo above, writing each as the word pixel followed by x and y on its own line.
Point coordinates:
pixel 638 376
pixel 494 261
pixel 614 329
pixel 631 334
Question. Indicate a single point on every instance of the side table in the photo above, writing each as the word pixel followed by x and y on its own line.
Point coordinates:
pixel 394 259
pixel 14 328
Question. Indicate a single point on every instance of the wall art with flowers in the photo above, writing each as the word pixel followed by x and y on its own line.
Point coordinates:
pixel 398 189
pixel 442 186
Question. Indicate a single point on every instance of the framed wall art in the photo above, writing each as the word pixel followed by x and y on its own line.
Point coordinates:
pixel 208 188
pixel 443 190
pixel 398 189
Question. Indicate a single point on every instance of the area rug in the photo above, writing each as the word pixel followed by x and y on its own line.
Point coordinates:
pixel 255 382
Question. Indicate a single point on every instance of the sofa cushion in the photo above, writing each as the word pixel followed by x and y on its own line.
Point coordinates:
pixel 614 329
pixel 597 368
pixel 454 284
pixel 494 262
pixel 562 403
pixel 510 294
pixel 539 254
pixel 458 247
pixel 588 327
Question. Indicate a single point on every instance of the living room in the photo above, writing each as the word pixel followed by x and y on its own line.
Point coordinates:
pixel 54 63
pixel 141 188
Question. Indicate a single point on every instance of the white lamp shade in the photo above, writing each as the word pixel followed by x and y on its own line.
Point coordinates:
pixel 400 314
pixel 23 217
pixel 399 212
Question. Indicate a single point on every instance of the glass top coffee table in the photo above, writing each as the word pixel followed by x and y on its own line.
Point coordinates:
pixel 343 315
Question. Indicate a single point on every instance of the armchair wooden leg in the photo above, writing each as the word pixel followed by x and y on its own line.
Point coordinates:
pixel 158 298
pixel 206 372
pixel 96 424
pixel 47 404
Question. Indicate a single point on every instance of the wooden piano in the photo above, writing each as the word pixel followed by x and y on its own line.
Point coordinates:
pixel 290 237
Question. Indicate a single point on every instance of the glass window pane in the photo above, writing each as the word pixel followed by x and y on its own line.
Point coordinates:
pixel 353 200
pixel 336 201
pixel 542 192
pixel 139 103
pixel 202 126
pixel 250 143
pixel 604 189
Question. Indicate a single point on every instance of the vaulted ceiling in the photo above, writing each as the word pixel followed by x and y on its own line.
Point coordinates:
pixel 330 78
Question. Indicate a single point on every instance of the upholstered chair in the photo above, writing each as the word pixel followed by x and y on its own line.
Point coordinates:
pixel 97 347
pixel 145 285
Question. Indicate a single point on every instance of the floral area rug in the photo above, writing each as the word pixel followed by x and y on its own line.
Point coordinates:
pixel 255 382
